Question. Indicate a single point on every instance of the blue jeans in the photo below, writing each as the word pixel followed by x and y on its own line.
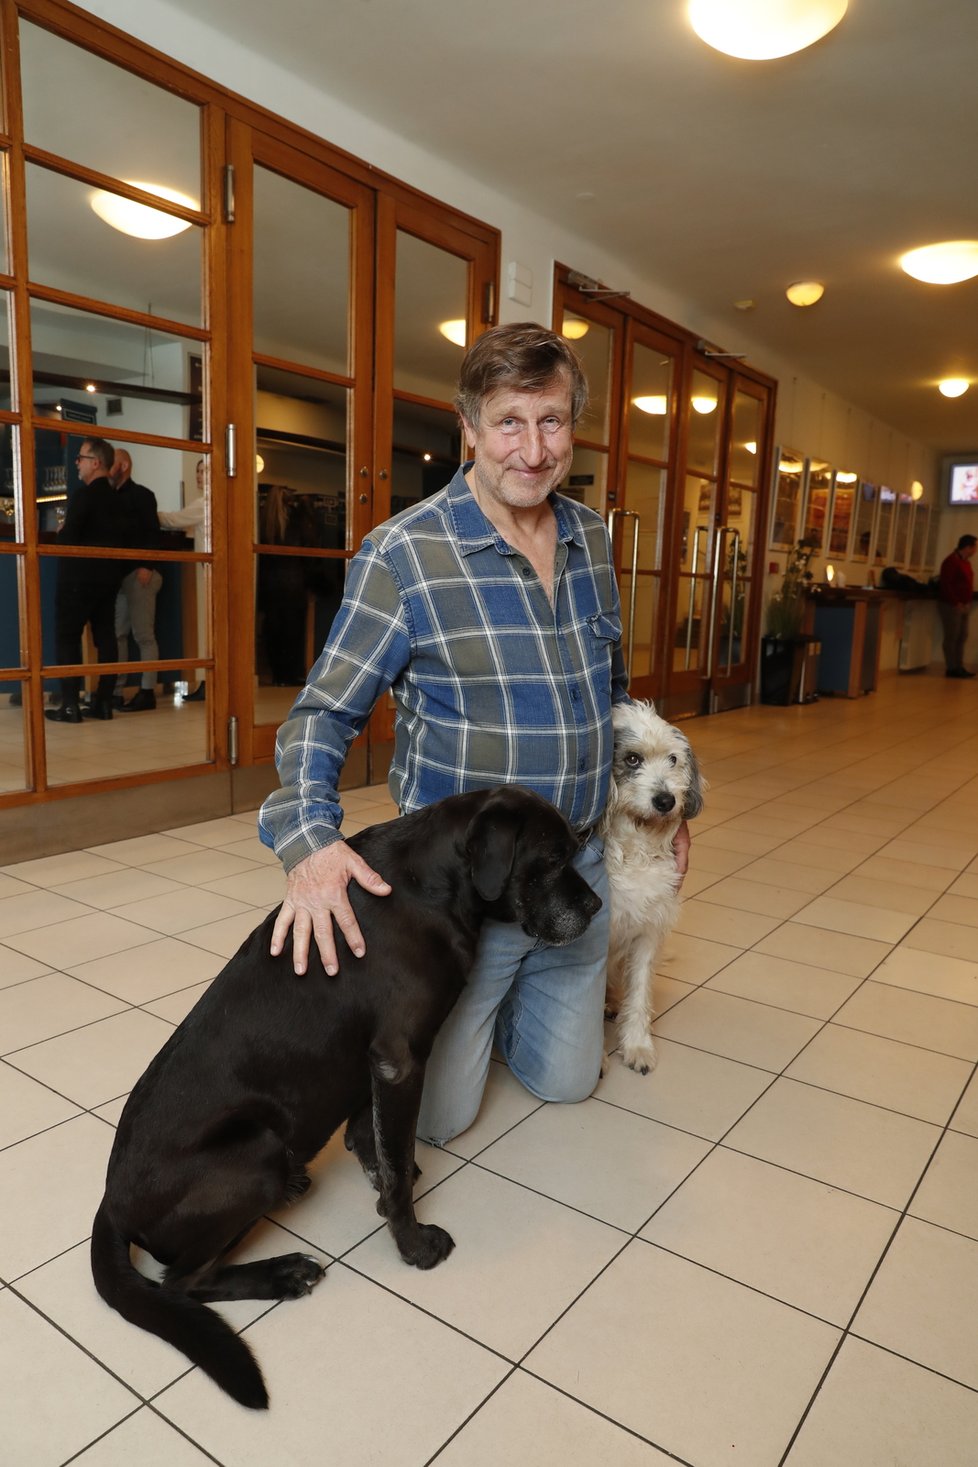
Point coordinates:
pixel 543 1006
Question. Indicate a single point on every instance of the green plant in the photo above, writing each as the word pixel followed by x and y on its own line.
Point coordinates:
pixel 786 608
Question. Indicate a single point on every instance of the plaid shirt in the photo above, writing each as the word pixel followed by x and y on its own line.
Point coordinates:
pixel 493 684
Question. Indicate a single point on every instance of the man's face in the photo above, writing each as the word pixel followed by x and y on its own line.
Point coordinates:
pixel 88 465
pixel 524 443
pixel 968 551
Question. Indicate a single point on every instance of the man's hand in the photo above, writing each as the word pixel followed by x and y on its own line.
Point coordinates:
pixel 680 845
pixel 144 575
pixel 315 897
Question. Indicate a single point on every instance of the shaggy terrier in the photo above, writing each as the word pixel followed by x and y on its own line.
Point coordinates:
pixel 655 785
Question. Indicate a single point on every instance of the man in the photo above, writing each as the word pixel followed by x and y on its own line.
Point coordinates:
pixel 135 606
pixel 491 612
pixel 954 596
pixel 86 587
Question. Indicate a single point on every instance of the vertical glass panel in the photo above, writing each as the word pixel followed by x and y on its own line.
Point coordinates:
pixel 817 503
pixel 13 738
pixel 645 490
pixel 174 734
pixel 648 403
pixel 703 424
pixel 863 528
pixel 595 350
pixel 588 478
pixel 301 274
pixel 841 517
pixel 302 432
pixel 689 640
pixel 10 526
pixel 8 398
pixel 96 113
pixel 745 439
pixel 918 540
pixel 787 499
pixel 11 648
pixel 884 525
pixel 92 368
pixel 70 247
pixel 427 452
pixel 430 313
pixel 901 532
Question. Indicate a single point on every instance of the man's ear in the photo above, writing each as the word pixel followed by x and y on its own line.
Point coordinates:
pixel 469 433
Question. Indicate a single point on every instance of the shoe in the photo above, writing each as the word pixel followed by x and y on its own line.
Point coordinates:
pixel 963 672
pixel 99 708
pixel 958 672
pixel 145 698
pixel 16 700
pixel 118 701
pixel 69 713
pixel 198 695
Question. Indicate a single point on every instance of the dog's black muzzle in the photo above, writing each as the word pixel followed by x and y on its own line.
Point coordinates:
pixel 664 803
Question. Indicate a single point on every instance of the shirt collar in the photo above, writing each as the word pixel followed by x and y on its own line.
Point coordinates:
pixel 474 532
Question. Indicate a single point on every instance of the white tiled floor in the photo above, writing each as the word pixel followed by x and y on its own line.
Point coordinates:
pixel 766 1252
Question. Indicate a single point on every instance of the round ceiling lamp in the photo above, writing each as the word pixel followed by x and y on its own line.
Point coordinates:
pixel 805 292
pixel 703 404
pixel 942 264
pixel 574 328
pixel 916 490
pixel 453 331
pixel 760 30
pixel 654 405
pixel 953 386
pixel 140 220
pixel 846 476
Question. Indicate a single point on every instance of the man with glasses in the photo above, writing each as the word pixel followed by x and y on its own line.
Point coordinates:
pixel 87 587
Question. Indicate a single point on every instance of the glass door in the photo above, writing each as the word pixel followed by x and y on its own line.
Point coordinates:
pixel 692 643
pixel 299 457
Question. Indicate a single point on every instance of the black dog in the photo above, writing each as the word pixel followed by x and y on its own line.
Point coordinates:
pixel 220 1128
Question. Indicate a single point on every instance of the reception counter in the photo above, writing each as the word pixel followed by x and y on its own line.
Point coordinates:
pixel 847 624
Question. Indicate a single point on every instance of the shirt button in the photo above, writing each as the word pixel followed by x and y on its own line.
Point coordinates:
pixel 575 695
pixel 527 570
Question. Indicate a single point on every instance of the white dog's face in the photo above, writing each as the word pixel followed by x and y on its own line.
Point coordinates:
pixel 655 774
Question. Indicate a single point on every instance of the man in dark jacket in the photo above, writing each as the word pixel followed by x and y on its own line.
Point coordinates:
pixel 135 606
pixel 87 587
pixel 954 597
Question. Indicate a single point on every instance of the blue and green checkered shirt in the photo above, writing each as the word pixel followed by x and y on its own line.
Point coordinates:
pixel 492 684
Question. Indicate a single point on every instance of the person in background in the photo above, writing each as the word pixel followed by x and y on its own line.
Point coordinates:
pixel 193 517
pixel 86 588
pixel 956 589
pixel 135 605
pixel 491 612
pixel 281 589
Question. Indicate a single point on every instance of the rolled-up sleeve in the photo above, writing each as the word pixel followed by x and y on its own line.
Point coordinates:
pixel 369 647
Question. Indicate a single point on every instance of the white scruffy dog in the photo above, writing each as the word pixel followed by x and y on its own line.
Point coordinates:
pixel 655 785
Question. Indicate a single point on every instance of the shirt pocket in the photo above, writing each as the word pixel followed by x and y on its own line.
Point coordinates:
pixel 604 629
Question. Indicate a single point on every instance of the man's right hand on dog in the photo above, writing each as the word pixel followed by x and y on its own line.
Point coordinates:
pixel 315 898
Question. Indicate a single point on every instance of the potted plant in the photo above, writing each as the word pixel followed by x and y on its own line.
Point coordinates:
pixel 783 647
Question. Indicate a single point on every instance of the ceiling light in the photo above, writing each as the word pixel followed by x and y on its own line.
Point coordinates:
pixel 805 292
pixel 916 490
pixel 942 264
pixel 655 405
pixel 703 404
pixel 90 387
pixel 259 464
pixel 790 466
pixel 758 30
pixel 454 331
pixel 954 386
pixel 574 328
pixel 846 476
pixel 140 220
pixel 751 446
pixel 426 457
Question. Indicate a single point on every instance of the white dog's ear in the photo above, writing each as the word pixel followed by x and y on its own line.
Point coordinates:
pixel 693 798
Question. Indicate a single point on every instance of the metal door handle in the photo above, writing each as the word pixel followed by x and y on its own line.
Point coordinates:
pixel 711 640
pixel 734 577
pixel 700 530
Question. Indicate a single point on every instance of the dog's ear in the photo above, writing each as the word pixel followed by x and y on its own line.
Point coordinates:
pixel 491 846
pixel 693 798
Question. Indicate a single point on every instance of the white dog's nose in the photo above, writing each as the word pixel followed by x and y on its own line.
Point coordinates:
pixel 664 802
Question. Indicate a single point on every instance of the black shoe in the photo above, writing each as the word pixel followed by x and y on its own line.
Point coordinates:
pixel 145 698
pixel 99 708
pixel 198 695
pixel 963 672
pixel 70 713
pixel 118 701
pixel 16 700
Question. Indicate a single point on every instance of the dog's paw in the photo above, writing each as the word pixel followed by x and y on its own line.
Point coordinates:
pixel 431 1245
pixel 641 1057
pixel 296 1274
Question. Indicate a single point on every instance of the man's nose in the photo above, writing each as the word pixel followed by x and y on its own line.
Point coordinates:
pixel 534 446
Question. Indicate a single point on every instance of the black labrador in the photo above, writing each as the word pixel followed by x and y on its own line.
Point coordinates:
pixel 262 1071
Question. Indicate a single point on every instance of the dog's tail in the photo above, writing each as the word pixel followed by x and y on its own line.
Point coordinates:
pixel 202 1335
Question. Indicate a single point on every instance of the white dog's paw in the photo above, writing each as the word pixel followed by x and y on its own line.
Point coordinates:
pixel 641 1057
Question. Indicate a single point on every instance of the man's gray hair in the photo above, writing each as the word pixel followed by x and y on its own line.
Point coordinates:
pixel 524 357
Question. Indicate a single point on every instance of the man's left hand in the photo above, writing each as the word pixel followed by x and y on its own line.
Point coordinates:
pixel 680 845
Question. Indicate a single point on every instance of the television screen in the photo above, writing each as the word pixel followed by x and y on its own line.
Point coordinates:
pixel 961 481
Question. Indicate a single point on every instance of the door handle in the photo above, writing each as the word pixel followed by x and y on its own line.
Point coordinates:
pixel 734 578
pixel 722 532
pixel 691 611
pixel 636 518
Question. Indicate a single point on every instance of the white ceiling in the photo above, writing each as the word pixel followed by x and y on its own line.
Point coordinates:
pixel 722 180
